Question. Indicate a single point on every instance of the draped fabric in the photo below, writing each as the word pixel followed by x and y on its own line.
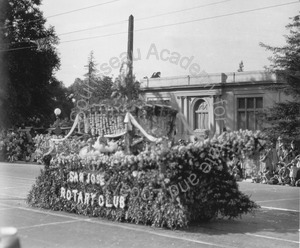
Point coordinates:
pixel 71 131
pixel 131 120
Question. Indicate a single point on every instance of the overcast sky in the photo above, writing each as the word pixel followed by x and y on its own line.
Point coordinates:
pixel 175 37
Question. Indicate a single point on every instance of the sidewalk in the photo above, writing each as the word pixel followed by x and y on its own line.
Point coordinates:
pixel 247 180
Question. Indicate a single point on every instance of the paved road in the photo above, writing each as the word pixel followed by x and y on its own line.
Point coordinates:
pixel 276 224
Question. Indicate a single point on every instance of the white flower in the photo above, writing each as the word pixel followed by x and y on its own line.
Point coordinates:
pixel 134 173
pixel 167 180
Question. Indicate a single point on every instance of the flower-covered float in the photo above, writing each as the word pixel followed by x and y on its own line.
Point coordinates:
pixel 158 184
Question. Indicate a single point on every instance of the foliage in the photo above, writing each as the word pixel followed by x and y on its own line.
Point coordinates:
pixel 102 86
pixel 43 143
pixel 286 59
pixel 242 143
pixel 125 86
pixel 284 121
pixel 283 118
pixel 29 59
pixel 92 67
pixel 15 146
pixel 99 88
pixel 102 89
pixel 162 186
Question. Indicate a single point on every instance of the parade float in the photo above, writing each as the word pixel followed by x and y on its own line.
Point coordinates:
pixel 155 182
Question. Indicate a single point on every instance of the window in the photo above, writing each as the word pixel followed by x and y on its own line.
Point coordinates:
pixel 247 112
pixel 161 101
pixel 201 115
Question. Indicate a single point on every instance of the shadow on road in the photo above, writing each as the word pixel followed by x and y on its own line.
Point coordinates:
pixel 262 220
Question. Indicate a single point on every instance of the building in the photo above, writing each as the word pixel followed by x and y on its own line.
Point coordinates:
pixel 212 103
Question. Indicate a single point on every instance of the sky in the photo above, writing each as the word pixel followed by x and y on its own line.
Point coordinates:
pixel 174 37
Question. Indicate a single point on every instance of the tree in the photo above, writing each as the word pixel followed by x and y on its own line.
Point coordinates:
pixel 92 87
pixel 91 75
pixel 125 86
pixel 103 89
pixel 76 89
pixel 60 100
pixel 283 118
pixel 102 85
pixel 92 67
pixel 28 62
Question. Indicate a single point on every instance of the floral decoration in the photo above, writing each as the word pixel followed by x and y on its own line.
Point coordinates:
pixel 161 186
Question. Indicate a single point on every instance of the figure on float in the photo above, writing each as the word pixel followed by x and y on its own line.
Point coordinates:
pixel 102 145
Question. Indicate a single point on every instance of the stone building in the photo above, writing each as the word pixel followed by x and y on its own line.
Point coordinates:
pixel 211 103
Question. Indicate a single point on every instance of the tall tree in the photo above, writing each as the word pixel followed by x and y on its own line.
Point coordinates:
pixel 91 67
pixel 102 85
pixel 92 86
pixel 284 118
pixel 29 60
pixel 91 75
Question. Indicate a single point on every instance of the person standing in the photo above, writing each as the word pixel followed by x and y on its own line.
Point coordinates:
pixel 285 178
pixel 284 156
pixel 274 157
pixel 266 160
pixel 236 167
pixel 293 172
pixel 279 148
pixel 292 151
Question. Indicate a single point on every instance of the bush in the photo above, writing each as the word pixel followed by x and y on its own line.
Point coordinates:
pixel 15 146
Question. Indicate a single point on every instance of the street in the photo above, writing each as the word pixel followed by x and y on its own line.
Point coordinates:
pixel 276 224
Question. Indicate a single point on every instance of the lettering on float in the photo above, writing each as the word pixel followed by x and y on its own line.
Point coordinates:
pixel 118 198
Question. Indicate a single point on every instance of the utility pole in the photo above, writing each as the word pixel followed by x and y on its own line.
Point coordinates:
pixel 130 55
pixel 129 79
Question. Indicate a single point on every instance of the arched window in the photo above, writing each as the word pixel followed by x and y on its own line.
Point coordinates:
pixel 201 114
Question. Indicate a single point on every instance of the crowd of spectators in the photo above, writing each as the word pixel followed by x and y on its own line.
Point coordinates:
pixel 279 164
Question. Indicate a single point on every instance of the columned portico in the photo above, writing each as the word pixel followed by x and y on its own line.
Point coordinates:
pixel 198 110
pixel 230 102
